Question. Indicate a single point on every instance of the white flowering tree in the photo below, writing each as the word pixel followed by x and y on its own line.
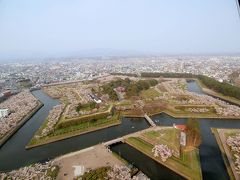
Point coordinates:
pixel 119 173
pixel 162 151
pixel 234 143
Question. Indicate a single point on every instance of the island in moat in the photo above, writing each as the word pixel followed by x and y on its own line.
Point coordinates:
pixel 88 106
pixel 229 143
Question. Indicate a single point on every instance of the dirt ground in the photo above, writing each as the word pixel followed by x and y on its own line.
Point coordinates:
pixel 84 160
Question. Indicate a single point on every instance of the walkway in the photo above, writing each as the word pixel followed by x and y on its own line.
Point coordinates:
pixel 149 120
pixel 108 143
pixel 81 161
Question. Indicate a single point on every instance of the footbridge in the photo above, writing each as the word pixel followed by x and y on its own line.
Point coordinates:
pixel 149 120
pixel 114 141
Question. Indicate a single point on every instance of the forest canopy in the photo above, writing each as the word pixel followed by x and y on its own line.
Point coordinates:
pixel 221 87
pixel 132 88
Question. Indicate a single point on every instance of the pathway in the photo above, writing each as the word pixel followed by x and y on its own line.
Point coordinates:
pixel 149 120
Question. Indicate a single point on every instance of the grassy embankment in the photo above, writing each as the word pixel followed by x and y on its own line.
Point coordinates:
pixel 187 165
pixel 74 127
pixel 53 172
pixel 210 86
pixel 99 173
pixel 149 94
pixel 208 91
pixel 223 152
pixel 168 136
pixel 178 111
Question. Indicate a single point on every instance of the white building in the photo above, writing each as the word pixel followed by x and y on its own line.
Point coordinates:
pixel 4 113
pixel 183 138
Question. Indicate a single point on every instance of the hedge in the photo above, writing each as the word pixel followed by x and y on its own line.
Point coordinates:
pixel 75 121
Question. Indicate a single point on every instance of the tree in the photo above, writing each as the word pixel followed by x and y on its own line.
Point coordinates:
pixel 78 107
pixel 92 105
pixel 93 90
pixel 193 132
pixel 224 88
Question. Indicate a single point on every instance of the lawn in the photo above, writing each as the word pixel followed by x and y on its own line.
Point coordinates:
pixel 125 103
pixel 70 131
pixel 99 173
pixel 84 126
pixel 150 93
pixel 168 136
pixel 188 165
pixel 141 144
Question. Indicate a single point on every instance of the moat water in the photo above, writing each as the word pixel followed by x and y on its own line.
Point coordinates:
pixel 212 164
pixel 14 155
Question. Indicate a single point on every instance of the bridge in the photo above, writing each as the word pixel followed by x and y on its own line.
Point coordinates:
pixel 149 120
pixel 114 141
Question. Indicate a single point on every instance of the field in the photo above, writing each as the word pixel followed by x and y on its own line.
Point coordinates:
pixel 75 130
pixel 168 136
pixel 188 162
pixel 149 94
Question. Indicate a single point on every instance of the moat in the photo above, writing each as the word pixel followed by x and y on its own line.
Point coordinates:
pixel 13 154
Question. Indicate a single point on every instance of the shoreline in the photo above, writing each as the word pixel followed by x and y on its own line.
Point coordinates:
pixel 174 115
pixel 215 94
pixel 20 124
pixel 158 161
pixel 223 152
pixel 70 136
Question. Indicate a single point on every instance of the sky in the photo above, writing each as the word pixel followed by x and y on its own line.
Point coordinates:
pixel 55 28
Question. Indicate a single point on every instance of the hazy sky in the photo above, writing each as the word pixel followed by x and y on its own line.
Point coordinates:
pixel 36 28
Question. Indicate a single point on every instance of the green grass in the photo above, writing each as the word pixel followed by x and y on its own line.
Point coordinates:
pixel 188 165
pixel 183 86
pixel 140 144
pixel 150 93
pixel 125 103
pixel 96 174
pixel 86 107
pixel 163 134
pixel 85 125
pixel 169 137
pixel 53 172
pixel 62 133
pixel 106 110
